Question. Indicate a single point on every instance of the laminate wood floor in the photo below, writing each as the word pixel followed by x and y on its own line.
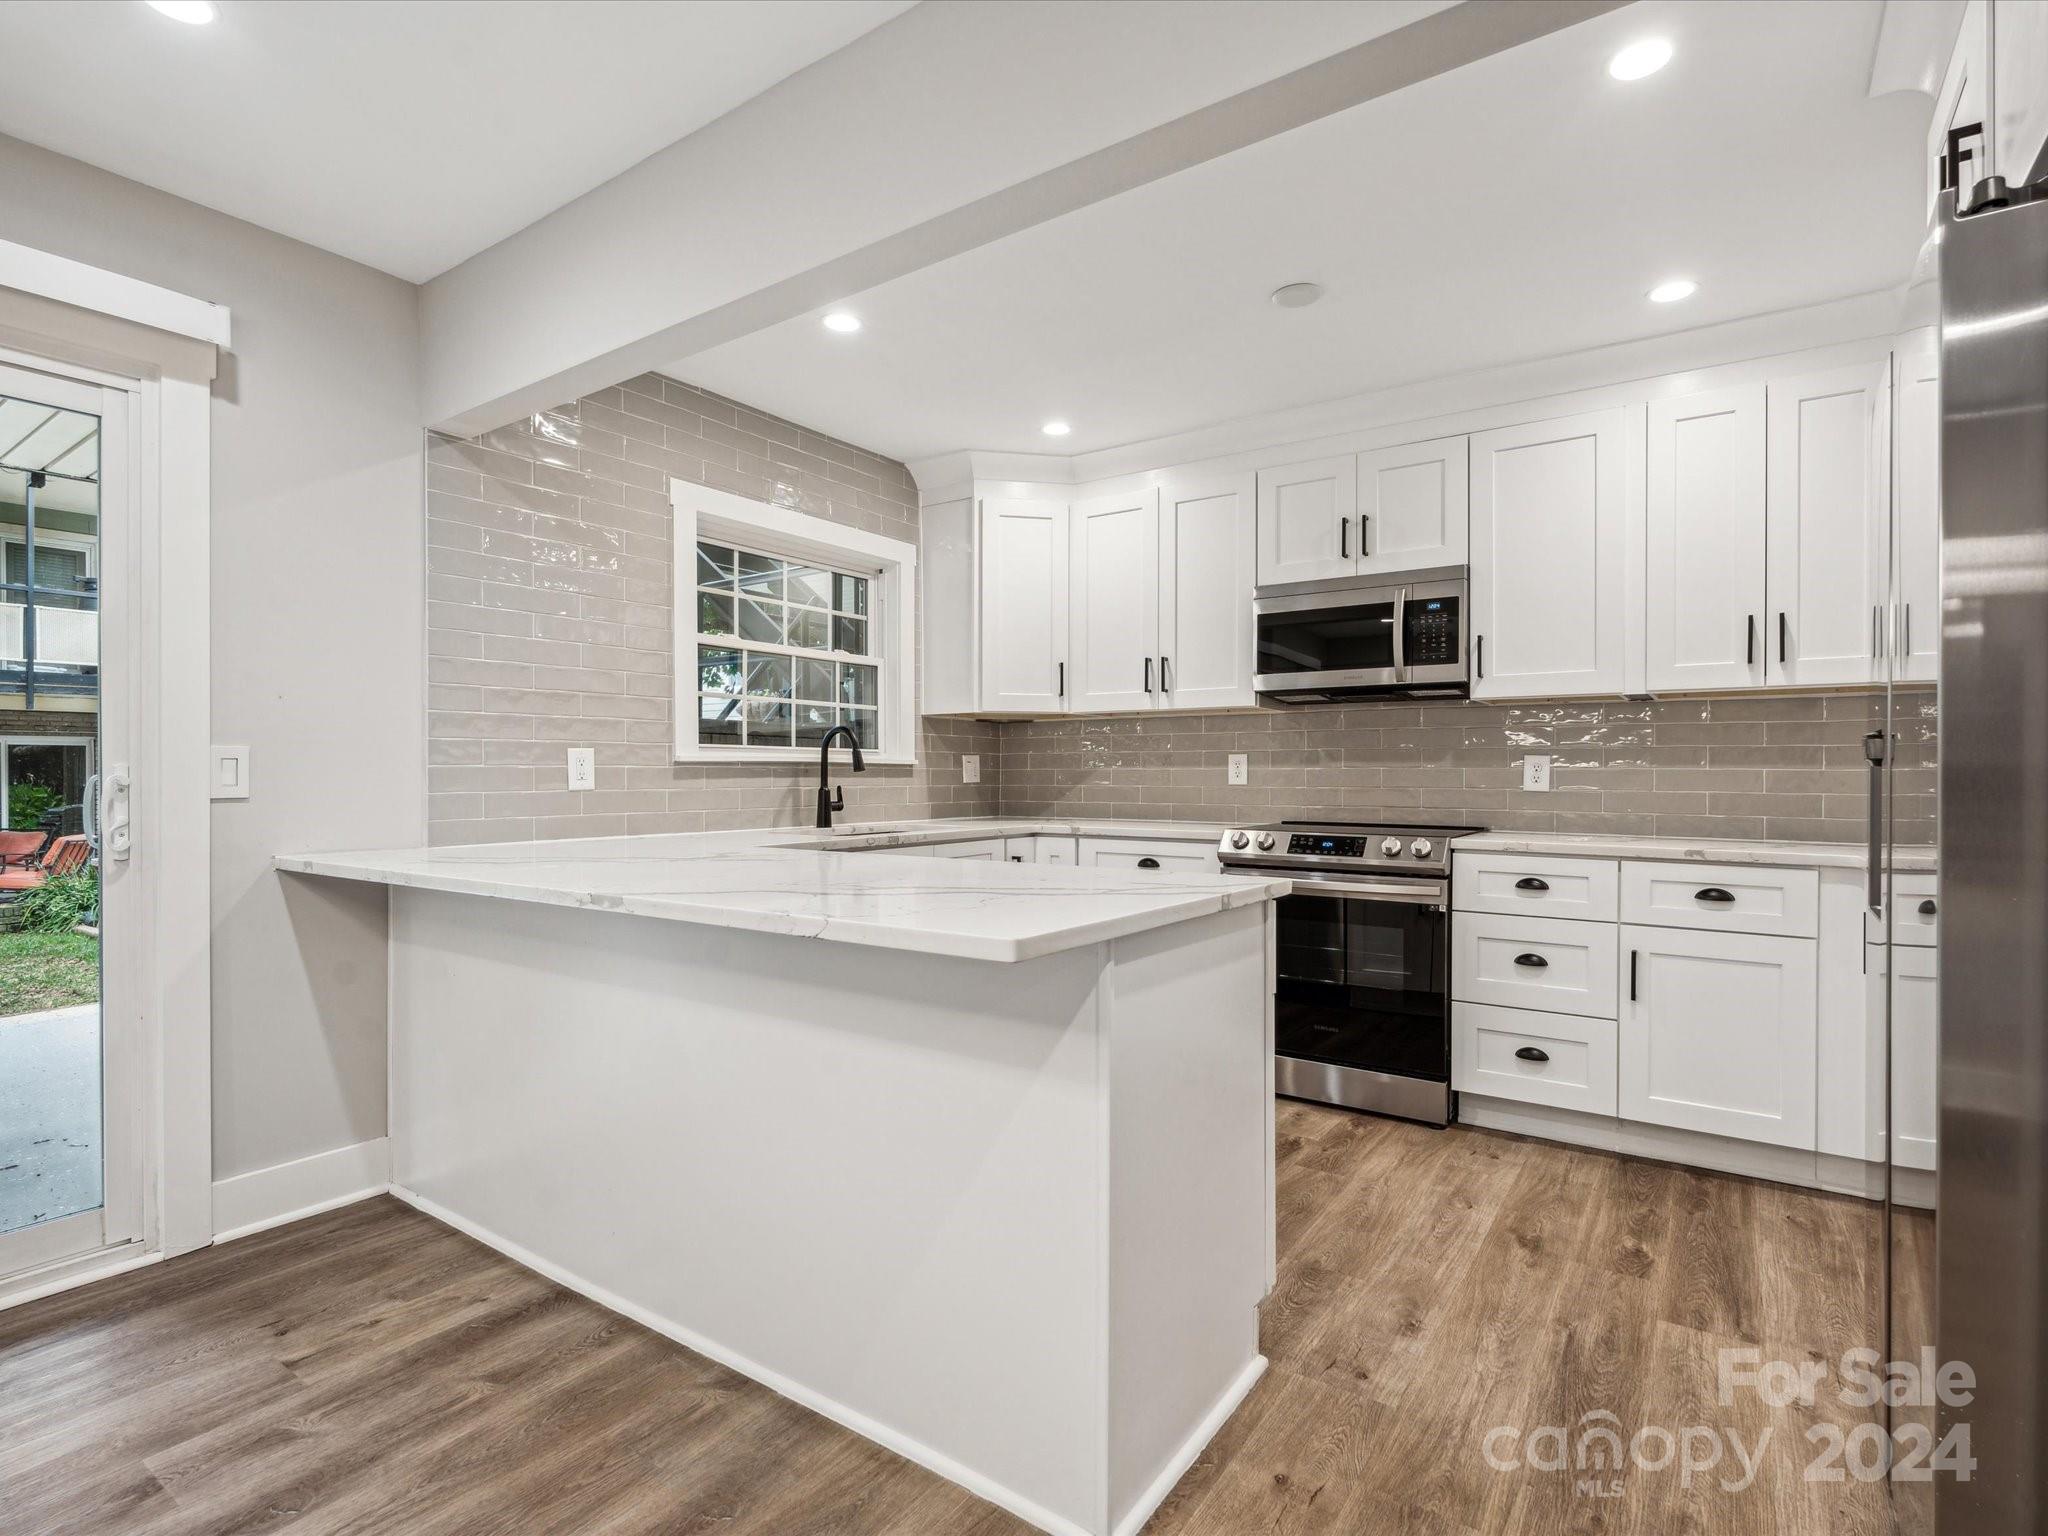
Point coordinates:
pixel 373 1371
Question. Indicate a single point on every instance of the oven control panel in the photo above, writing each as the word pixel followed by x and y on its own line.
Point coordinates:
pixel 1322 846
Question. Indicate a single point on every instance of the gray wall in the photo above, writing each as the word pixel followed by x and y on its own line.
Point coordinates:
pixel 316 614
pixel 549 565
pixel 1761 765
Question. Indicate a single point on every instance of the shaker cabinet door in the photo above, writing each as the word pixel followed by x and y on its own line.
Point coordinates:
pixel 1705 610
pixel 1412 506
pixel 1114 595
pixel 1308 520
pixel 1024 607
pixel 1206 563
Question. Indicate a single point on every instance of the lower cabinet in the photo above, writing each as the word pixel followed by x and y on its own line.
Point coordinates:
pixel 1916 1050
pixel 1045 848
pixel 1718 1033
pixel 991 848
pixel 1148 853
pixel 1539 1058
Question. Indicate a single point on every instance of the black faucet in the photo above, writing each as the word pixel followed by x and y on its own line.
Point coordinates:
pixel 830 799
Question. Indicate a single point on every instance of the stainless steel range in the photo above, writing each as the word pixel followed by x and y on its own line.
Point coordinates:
pixel 1362 998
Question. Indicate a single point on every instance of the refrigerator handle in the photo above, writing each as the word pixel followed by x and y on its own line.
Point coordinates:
pixel 1873 868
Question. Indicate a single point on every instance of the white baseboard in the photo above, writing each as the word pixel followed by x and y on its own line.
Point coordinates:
pixel 1190 1448
pixel 269 1197
pixel 882 1434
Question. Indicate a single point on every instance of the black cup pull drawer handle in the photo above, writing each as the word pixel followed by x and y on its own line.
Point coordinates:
pixel 1148 863
pixel 1530 1053
pixel 1532 960
pixel 1531 883
pixel 1712 893
pixel 1927 907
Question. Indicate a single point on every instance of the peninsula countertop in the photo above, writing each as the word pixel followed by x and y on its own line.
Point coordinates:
pixel 856 884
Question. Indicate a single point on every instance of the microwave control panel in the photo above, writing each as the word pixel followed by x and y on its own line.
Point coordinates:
pixel 1432 637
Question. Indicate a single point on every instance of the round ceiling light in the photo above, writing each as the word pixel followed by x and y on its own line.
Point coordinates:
pixel 1296 295
pixel 1640 59
pixel 844 321
pixel 194 13
pixel 1056 429
pixel 1673 289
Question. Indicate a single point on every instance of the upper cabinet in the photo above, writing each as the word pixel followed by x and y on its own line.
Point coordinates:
pixel 1205 592
pixel 1023 573
pixel 1114 603
pixel 1916 512
pixel 1306 517
pixel 1549 568
pixel 1392 509
pixel 1828 555
pixel 1705 540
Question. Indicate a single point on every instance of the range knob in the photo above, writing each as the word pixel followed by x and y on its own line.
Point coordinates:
pixel 1391 848
pixel 1239 840
pixel 1421 847
pixel 1265 842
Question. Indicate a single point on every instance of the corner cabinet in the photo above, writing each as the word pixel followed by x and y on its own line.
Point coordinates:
pixel 1549 560
pixel 1112 605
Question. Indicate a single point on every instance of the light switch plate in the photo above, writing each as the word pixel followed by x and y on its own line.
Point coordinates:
pixel 970 768
pixel 1535 772
pixel 583 767
pixel 230 773
pixel 1240 768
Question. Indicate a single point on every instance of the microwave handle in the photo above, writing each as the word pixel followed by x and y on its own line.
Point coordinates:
pixel 1400 634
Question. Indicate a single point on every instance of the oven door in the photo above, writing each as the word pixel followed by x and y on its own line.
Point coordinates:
pixel 1361 1004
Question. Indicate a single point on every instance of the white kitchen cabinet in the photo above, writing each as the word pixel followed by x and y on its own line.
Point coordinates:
pixel 1733 898
pixel 1538 1058
pixel 1535 885
pixel 1044 848
pixel 1718 1033
pixel 1828 541
pixel 1114 597
pixel 1207 563
pixel 1148 853
pixel 1549 964
pixel 1916 512
pixel 1705 594
pixel 1307 519
pixel 992 849
pixel 1916 1052
pixel 1549 530
pixel 1024 590
pixel 1413 503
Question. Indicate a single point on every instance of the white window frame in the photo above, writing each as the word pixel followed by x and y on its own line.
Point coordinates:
pixel 890 565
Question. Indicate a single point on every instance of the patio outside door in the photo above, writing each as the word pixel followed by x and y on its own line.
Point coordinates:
pixel 70 1136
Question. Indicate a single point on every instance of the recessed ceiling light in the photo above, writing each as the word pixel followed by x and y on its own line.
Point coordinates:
pixel 843 321
pixel 194 13
pixel 1296 295
pixel 1640 59
pixel 1056 429
pixel 1673 289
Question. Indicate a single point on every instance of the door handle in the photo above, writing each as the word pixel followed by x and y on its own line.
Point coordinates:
pixel 117 836
pixel 1531 1053
pixel 1148 674
pixel 1531 883
pixel 1712 893
pixel 1749 649
pixel 1927 907
pixel 1535 962
pixel 1343 538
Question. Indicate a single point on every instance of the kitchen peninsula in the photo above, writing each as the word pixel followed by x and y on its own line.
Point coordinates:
pixel 972 1157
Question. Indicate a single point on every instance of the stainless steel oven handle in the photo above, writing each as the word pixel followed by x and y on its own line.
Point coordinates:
pixel 1420 893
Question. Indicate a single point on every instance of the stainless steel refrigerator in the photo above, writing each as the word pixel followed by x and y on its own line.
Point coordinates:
pixel 1992 1241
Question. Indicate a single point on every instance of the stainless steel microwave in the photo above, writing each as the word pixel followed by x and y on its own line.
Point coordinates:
pixel 1402 633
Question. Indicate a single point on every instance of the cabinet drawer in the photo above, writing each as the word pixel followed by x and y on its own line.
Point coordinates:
pixel 1149 853
pixel 1544 963
pixel 1538 1058
pixel 1915 915
pixel 1729 898
pixel 1525 882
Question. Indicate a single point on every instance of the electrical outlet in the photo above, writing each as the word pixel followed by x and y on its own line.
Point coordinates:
pixel 583 767
pixel 1535 772
pixel 970 768
pixel 1240 768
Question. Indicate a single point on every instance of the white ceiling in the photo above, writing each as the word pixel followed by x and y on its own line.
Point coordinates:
pixel 1514 209
pixel 407 135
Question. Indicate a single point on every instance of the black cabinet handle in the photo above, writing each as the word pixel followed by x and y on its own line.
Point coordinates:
pixel 1712 893
pixel 1148 674
pixel 1148 863
pixel 1749 651
pixel 1531 883
pixel 1536 962
pixel 1164 685
pixel 1632 975
pixel 1927 907
pixel 1063 680
pixel 1364 535
pixel 1781 637
pixel 1531 1053
pixel 1479 655
pixel 1343 538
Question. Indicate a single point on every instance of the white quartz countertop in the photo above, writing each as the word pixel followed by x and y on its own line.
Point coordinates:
pixel 1682 850
pixel 813 884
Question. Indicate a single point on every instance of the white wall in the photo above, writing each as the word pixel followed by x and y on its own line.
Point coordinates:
pixel 317 603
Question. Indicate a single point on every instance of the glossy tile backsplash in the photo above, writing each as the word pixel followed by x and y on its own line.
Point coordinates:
pixel 549 561
pixel 1784 766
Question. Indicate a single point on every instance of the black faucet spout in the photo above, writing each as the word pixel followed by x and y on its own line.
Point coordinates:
pixel 830 799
